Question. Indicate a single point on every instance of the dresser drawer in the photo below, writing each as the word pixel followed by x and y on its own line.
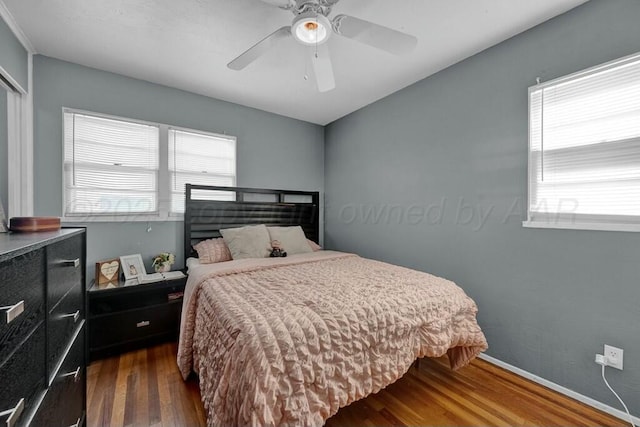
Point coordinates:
pixel 64 267
pixel 134 325
pixel 63 404
pixel 23 377
pixel 62 324
pixel 22 299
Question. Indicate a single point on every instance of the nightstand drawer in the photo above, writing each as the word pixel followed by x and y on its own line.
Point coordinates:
pixel 151 294
pixel 64 268
pixel 22 299
pixel 22 377
pixel 63 405
pixel 63 322
pixel 133 325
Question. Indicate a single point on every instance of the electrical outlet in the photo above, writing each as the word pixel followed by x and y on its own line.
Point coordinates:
pixel 614 355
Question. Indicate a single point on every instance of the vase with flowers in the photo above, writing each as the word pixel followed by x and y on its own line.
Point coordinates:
pixel 163 262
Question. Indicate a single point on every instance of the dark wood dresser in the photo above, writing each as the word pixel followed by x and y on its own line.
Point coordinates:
pixel 42 328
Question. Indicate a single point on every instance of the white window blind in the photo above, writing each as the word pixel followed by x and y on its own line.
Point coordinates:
pixel 110 166
pixel 584 147
pixel 199 158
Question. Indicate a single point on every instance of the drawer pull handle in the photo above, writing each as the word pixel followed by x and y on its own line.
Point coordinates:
pixel 75 263
pixel 143 324
pixel 14 413
pixel 14 311
pixel 175 296
pixel 75 316
pixel 77 424
pixel 75 374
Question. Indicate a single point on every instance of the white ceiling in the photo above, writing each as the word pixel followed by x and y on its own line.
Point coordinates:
pixel 187 43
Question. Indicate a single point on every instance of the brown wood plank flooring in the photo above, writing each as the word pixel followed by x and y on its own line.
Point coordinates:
pixel 144 388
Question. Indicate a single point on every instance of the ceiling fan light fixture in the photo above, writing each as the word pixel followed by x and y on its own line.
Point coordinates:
pixel 311 28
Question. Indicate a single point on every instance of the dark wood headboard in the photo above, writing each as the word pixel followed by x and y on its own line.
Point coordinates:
pixel 204 218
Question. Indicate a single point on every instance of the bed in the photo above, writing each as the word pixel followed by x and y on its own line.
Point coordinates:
pixel 289 341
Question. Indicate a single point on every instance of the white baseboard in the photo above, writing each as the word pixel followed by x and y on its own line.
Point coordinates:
pixel 560 389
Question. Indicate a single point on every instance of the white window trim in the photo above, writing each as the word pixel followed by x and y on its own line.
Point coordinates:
pixel 579 225
pixel 19 130
pixel 20 150
pixel 574 222
pixel 164 194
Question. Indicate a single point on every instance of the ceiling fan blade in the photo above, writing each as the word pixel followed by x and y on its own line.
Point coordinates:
pixel 259 49
pixel 282 4
pixel 322 68
pixel 374 35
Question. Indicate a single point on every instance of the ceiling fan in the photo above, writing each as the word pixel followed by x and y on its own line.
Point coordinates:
pixel 312 27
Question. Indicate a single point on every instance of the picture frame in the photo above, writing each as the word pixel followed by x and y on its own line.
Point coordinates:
pixel 107 271
pixel 132 266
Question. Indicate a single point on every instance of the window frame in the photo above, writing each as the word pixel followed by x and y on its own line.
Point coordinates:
pixel 163 178
pixel 180 215
pixel 573 221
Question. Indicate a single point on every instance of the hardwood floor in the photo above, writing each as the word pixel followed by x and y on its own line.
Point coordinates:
pixel 144 388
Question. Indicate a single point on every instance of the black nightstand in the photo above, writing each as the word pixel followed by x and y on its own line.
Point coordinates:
pixel 123 318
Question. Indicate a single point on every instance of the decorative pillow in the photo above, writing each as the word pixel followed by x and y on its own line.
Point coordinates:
pixel 292 239
pixel 193 263
pixel 212 250
pixel 252 241
pixel 314 246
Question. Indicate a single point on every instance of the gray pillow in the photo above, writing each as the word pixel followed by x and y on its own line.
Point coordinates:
pixel 292 239
pixel 251 241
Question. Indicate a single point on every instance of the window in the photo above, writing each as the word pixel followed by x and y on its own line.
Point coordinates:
pixel 191 160
pixel 121 169
pixel 110 166
pixel 584 149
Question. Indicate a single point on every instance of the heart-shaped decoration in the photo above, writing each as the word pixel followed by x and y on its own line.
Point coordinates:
pixel 109 269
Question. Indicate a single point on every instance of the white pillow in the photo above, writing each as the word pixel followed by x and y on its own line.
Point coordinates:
pixel 192 263
pixel 292 239
pixel 251 241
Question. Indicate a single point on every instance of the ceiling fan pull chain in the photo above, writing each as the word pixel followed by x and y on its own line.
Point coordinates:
pixel 306 70
pixel 316 32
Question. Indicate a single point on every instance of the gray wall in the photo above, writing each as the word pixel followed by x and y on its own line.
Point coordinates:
pixel 273 151
pixel 4 177
pixel 457 141
pixel 13 56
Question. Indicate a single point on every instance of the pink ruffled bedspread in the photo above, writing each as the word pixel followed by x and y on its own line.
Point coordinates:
pixel 289 341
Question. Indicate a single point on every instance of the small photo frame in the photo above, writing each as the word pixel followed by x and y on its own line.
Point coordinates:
pixel 132 266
